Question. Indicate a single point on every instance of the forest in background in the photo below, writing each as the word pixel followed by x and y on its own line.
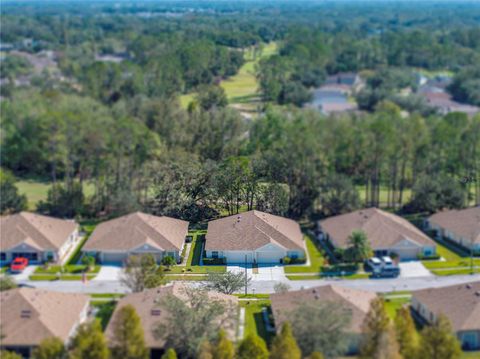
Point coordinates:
pixel 118 127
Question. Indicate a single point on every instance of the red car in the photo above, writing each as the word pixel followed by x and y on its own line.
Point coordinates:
pixel 18 265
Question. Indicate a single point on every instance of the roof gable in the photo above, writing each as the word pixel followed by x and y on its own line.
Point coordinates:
pixel 253 230
pixel 136 229
pixel 42 232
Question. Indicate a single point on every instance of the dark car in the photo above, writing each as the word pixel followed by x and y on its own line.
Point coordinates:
pixel 391 272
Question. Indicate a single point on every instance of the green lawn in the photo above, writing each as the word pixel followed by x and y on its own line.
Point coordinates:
pixel 316 259
pixel 454 271
pixel 105 311
pixel 68 269
pixel 186 277
pixel 51 277
pixel 37 191
pixel 106 295
pixel 193 262
pixel 318 276
pixel 241 89
pixel 393 304
pixel 254 319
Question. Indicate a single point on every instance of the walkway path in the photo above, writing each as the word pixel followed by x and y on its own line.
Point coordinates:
pixel 187 253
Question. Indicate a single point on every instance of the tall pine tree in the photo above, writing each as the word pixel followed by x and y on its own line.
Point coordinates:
pixel 406 333
pixel 89 342
pixel 128 341
pixel 437 341
pixel 284 345
pixel 224 348
pixel 252 347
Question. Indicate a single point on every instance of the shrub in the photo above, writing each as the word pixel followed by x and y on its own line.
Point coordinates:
pixel 213 261
pixel 286 260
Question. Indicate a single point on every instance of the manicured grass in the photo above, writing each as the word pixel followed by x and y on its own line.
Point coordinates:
pixel 52 277
pixel 254 323
pixel 318 276
pixel 68 269
pixel 448 272
pixel 316 259
pixel 470 355
pixel 186 277
pixel 88 228
pixel 465 262
pixel 105 311
pixel 252 296
pixel 106 295
pixel 37 191
pixel 393 304
pixel 193 262
pixel 241 88
pixel 3 269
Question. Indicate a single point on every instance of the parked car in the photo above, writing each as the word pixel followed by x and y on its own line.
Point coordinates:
pixel 373 264
pixel 387 272
pixel 387 262
pixel 18 265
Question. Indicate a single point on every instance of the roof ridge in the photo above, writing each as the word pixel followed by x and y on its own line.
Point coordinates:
pixel 35 228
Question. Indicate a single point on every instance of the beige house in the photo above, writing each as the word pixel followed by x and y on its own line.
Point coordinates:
pixel 38 238
pixel 386 232
pixel 28 316
pixel 357 302
pixel 254 237
pixel 461 226
pixel 459 303
pixel 137 233
pixel 148 305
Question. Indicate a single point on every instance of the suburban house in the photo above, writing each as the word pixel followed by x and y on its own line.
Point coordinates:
pixel 38 238
pixel 461 226
pixel 386 232
pixel 459 303
pixel 137 233
pixel 357 302
pixel 28 316
pixel 148 305
pixel 254 237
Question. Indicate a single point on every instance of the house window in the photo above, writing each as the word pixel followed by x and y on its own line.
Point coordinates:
pixel 427 252
pixel 214 254
pixel 3 256
pixel 293 255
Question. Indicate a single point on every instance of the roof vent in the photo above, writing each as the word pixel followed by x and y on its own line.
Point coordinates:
pixel 27 313
pixel 239 218
pixel 477 293
pixel 155 312
pixel 314 290
pixel 317 297
pixel 468 286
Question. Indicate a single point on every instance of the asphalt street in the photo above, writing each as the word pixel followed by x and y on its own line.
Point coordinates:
pixel 266 286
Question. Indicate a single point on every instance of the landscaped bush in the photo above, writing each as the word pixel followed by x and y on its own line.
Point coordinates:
pixel 337 269
pixel 286 260
pixel 213 261
pixel 429 257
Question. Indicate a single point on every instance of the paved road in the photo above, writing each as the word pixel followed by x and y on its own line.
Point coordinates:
pixel 266 286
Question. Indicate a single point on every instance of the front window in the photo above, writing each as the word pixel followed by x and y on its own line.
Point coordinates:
pixel 214 254
pixel 3 256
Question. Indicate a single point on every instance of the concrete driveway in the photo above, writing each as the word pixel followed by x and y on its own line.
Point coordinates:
pixel 270 272
pixel 413 269
pixel 108 272
pixel 27 272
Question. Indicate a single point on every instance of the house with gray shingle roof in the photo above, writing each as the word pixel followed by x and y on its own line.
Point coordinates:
pixel 36 237
pixel 137 233
pixel 459 303
pixel 254 237
pixel 28 316
pixel 386 232
pixel 459 225
pixel 356 302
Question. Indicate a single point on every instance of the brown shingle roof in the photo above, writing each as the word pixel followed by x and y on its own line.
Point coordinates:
pixel 133 230
pixel 464 223
pixel 149 310
pixel 357 301
pixel 29 316
pixel 252 230
pixel 460 303
pixel 383 229
pixel 41 232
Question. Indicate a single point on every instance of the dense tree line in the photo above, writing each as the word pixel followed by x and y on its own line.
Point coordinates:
pixel 149 154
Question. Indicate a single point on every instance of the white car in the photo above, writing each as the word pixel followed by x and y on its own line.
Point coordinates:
pixel 387 262
pixel 374 263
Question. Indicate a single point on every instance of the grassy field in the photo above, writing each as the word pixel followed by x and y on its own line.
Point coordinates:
pixel 241 89
pixel 316 260
pixel 318 276
pixel 254 319
pixel 37 191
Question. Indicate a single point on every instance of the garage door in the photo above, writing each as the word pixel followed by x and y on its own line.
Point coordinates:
pixel 269 257
pixel 407 253
pixel 238 257
pixel 114 258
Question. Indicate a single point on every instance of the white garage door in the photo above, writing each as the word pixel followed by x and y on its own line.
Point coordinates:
pixel 238 257
pixel 114 258
pixel 407 253
pixel 269 257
